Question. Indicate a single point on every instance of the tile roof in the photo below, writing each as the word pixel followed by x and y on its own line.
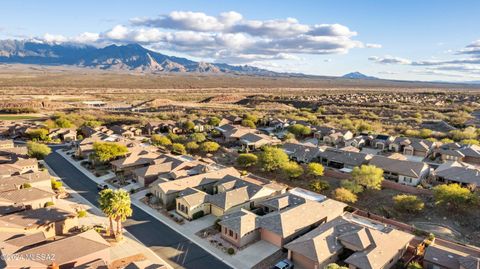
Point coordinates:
pixel 402 167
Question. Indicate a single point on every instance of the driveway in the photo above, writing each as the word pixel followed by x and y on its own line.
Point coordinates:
pixel 171 246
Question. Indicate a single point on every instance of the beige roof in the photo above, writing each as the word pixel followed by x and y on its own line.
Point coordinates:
pixel 451 255
pixel 286 222
pixel 194 181
pixel 30 219
pixel 85 244
pixel 193 197
pixel 405 168
pixel 241 222
pixel 25 195
pixel 138 156
pixel 374 244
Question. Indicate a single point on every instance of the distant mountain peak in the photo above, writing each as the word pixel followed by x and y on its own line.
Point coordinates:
pixel 357 75
pixel 131 57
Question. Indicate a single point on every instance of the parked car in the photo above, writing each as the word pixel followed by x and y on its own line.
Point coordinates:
pixel 284 264
pixel 102 187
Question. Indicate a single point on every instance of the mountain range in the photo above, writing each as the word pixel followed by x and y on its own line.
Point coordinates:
pixel 132 57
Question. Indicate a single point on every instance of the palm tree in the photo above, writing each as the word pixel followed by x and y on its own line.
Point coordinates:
pixel 105 201
pixel 122 209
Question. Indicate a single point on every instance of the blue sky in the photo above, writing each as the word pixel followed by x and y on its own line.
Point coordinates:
pixel 414 40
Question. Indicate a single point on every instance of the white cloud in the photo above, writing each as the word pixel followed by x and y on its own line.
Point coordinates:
pixel 373 46
pixel 389 60
pixel 229 36
pixel 54 38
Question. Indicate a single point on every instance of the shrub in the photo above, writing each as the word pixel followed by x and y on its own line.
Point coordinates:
pixel 315 169
pixel 198 214
pixel 454 196
pixel 299 130
pixel 319 185
pixel 209 146
pixel 107 151
pixel 414 265
pixel 26 185
pixel 178 148
pixel 192 146
pixel 249 124
pixel 56 184
pixel 160 140
pixel 36 150
pixel 344 195
pixel 82 214
pixel 247 159
pixel 292 169
pixel 408 203
pixel 49 203
pixel 230 251
pixel 272 158
pixel 351 186
pixel 369 176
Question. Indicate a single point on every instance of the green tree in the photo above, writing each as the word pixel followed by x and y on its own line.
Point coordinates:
pixel 454 196
pixel 122 209
pixel 334 266
pixel 26 185
pixel 414 265
pixel 272 158
pixel 36 150
pixel 408 203
pixel 50 124
pixel 446 140
pixel 63 122
pixel 351 186
pixel 192 146
pixel 470 142
pixel 178 148
pixel 198 137
pixel 247 159
pixel 369 176
pixel 105 204
pixel 209 146
pixel 248 123
pixel 289 136
pixel 107 151
pixel 160 140
pixel 189 126
pixel 425 133
pixel 318 185
pixel 250 117
pixel 315 169
pixel 214 121
pixel 344 195
pixel 299 130
pixel 292 169
pixel 40 134
pixel 92 123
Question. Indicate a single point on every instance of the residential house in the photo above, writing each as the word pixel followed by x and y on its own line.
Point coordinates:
pixel 63 134
pixel 322 131
pixel 233 133
pixel 126 131
pixel 18 166
pixel 191 201
pixel 168 167
pixel 457 152
pixel 6 143
pixel 381 141
pixel 136 158
pixel 401 171
pixel 337 138
pixel 359 141
pixel 341 159
pixel 448 255
pixel 302 153
pixel 51 221
pixel 39 179
pixel 412 146
pixel 278 227
pixel 87 247
pixel 167 191
pixel 31 198
pixel 254 141
pixel 457 172
pixel 360 242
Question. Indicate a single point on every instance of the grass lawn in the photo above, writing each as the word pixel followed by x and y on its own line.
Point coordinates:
pixel 18 117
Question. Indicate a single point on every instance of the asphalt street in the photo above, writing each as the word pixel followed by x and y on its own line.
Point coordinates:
pixel 171 246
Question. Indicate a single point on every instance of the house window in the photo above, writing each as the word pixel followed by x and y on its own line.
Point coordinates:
pixel 236 236
pixel 230 232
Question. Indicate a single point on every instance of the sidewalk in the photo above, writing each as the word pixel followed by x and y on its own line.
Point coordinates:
pixel 245 258
pixel 128 247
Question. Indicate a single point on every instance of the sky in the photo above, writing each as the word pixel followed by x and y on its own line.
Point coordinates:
pixel 428 40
